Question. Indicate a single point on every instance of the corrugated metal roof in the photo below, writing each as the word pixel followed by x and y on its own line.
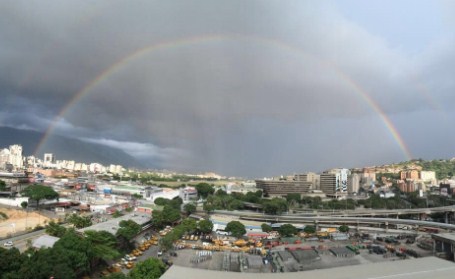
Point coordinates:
pixel 422 268
pixel 45 241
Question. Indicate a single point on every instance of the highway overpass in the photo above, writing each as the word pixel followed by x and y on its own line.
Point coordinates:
pixel 336 220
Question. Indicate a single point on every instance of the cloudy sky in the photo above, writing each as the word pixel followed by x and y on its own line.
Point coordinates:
pixel 246 88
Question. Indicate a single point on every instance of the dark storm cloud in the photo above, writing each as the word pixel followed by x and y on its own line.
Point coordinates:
pixel 282 88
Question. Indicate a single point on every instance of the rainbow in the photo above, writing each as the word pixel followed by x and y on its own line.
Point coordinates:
pixel 185 42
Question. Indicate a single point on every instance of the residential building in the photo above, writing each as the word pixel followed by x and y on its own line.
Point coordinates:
pixel 409 174
pixel 15 156
pixel 353 183
pixel 428 177
pixel 188 194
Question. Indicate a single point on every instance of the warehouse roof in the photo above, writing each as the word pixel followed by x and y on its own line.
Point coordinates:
pixel 422 268
pixel 45 241
pixel 112 225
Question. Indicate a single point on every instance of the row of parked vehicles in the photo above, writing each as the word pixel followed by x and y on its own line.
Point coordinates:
pixel 128 261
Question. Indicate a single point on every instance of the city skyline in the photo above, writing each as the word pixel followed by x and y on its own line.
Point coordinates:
pixel 265 88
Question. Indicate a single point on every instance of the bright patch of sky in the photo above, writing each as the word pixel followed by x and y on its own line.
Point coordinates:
pixel 409 25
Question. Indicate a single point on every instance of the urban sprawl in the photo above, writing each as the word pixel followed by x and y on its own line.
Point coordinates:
pixel 200 224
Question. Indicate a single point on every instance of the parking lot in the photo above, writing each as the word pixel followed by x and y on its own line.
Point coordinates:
pixel 306 256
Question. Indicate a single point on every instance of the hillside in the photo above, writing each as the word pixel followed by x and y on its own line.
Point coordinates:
pixel 66 148
pixel 444 168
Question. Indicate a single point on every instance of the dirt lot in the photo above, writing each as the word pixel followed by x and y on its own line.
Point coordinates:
pixel 18 220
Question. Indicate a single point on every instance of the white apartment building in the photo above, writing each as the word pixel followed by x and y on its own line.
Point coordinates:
pixel 116 169
pixel 428 176
pixel 15 157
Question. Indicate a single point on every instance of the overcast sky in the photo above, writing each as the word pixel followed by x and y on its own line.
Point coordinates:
pixel 244 88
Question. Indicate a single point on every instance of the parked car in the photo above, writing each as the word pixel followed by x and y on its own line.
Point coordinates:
pixel 8 244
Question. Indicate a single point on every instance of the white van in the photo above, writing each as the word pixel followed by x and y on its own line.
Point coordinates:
pixel 221 232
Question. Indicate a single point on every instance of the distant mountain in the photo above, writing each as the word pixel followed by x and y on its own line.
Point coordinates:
pixel 65 148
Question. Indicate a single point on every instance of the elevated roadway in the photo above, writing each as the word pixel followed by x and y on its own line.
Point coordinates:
pixel 335 220
pixel 377 212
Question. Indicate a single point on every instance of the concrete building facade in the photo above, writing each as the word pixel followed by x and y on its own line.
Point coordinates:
pixel 280 188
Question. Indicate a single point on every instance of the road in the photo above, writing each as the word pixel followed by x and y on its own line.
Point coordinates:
pixel 20 242
pixel 296 218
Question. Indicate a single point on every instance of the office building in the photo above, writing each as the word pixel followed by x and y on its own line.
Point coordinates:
pixel 280 188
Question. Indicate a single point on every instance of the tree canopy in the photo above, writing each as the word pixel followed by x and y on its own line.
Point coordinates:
pixel 287 230
pixel 2 185
pixel 309 229
pixel 236 228
pixel 204 189
pixel 266 228
pixel 151 268
pixel 189 208
pixel 344 228
pixel 55 229
pixel 128 229
pixel 79 221
pixel 275 206
pixel 40 192
pixel 205 226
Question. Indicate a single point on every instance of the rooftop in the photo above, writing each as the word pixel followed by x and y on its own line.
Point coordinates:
pixel 45 241
pixel 113 225
pixel 422 268
pixel 445 236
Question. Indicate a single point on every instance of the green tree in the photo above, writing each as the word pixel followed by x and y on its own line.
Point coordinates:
pixel 162 201
pixel 125 234
pixel 2 186
pixel 287 230
pixel 189 225
pixel 205 226
pixel 204 189
pixel 55 229
pixel 79 221
pixel 40 192
pixel 10 260
pixel 76 251
pixel 275 206
pixel 117 214
pixel 158 219
pixel 24 204
pixel 236 228
pixel 309 229
pixel 103 244
pixel 293 198
pixel 208 207
pixel 151 268
pixel 45 263
pixel 116 275
pixel 344 228
pixel 128 229
pixel 172 214
pixel 220 192
pixel 266 228
pixel 189 208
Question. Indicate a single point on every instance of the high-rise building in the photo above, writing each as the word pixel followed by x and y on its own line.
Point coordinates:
pixel 409 174
pixel 334 182
pixel 4 158
pixel 310 177
pixel 354 183
pixel 49 158
pixel 15 157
